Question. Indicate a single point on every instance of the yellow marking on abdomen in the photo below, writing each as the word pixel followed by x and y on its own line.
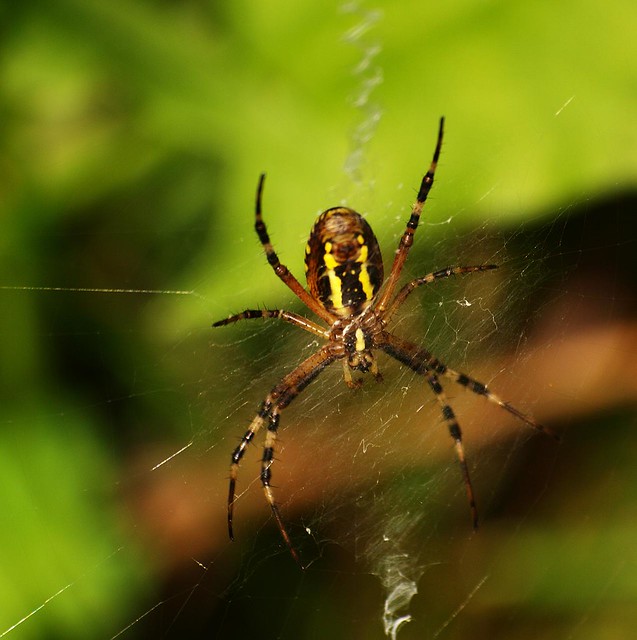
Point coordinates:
pixel 336 295
pixel 328 258
pixel 336 290
pixel 363 276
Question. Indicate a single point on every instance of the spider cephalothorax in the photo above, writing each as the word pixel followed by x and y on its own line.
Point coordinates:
pixel 360 335
pixel 344 271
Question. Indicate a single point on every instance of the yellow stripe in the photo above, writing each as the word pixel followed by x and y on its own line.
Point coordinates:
pixel 368 289
pixel 335 287
pixel 328 258
pixel 363 276
pixel 336 295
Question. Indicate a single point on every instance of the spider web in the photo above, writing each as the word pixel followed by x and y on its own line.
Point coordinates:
pixel 367 481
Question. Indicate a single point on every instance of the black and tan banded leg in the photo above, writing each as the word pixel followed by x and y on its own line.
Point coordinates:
pixel 456 433
pixel 287 316
pixel 421 361
pixel 267 460
pixel 407 238
pixel 280 269
pixel 401 296
pixel 237 455
pixel 277 400
pixel 480 389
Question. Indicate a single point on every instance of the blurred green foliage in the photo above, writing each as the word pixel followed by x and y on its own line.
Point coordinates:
pixel 132 134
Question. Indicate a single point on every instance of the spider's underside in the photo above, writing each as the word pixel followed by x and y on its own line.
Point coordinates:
pixel 344 272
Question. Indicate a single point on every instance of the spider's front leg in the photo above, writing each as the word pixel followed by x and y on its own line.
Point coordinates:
pixel 279 398
pixel 456 433
pixel 267 413
pixel 237 455
pixel 424 363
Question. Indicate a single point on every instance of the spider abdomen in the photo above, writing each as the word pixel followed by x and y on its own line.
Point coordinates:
pixel 343 263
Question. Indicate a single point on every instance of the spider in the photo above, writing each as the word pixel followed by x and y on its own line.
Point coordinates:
pixel 344 272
